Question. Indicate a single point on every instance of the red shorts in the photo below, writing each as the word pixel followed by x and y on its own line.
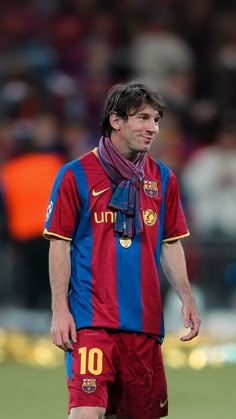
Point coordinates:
pixel 121 372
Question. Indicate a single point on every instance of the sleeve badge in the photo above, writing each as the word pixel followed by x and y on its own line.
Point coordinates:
pixel 49 210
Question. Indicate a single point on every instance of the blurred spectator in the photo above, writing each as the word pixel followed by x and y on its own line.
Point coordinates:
pixel 26 181
pixel 160 58
pixel 77 138
pixel 224 60
pixel 193 21
pixel 209 179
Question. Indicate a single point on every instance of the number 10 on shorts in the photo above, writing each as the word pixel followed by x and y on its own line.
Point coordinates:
pixel 91 360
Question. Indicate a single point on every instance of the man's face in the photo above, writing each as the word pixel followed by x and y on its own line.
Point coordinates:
pixel 136 134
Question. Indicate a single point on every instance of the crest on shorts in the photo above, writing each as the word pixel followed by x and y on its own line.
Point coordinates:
pixel 89 385
pixel 150 188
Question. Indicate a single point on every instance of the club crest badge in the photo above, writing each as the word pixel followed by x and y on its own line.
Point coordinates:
pixel 150 188
pixel 89 385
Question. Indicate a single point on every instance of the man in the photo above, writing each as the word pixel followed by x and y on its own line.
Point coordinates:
pixel 26 180
pixel 113 214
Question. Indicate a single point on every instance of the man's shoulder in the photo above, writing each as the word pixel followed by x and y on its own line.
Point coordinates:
pixel 92 154
pixel 90 160
pixel 83 162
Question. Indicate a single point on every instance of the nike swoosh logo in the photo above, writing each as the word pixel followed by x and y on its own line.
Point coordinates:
pixel 96 193
pixel 162 404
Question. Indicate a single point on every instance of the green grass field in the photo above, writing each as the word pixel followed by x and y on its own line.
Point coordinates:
pixel 38 393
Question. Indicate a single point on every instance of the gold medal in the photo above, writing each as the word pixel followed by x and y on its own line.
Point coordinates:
pixel 125 241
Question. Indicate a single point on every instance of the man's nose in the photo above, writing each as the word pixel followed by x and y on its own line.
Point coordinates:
pixel 152 127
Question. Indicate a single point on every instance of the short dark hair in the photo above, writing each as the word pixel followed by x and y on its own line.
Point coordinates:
pixel 126 97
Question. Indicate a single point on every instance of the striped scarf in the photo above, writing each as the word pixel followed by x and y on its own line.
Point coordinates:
pixel 127 178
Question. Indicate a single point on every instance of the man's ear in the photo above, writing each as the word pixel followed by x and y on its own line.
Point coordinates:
pixel 115 121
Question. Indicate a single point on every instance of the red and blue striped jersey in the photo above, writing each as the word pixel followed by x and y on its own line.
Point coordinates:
pixel 114 281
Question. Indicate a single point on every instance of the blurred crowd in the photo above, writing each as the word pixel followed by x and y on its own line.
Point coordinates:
pixel 58 59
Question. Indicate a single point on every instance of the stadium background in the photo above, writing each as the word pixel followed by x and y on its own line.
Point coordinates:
pixel 58 59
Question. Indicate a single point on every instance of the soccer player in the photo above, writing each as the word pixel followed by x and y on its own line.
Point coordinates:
pixel 115 215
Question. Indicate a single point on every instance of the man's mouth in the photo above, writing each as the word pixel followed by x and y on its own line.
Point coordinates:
pixel 148 139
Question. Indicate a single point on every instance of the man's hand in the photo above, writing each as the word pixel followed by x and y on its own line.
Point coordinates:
pixel 63 330
pixel 191 319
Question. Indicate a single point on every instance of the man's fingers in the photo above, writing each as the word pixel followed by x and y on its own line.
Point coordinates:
pixel 67 341
pixel 194 330
pixel 61 339
pixel 73 333
pixel 192 334
pixel 57 340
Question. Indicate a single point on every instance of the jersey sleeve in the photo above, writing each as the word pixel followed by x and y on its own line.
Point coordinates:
pixel 174 222
pixel 62 211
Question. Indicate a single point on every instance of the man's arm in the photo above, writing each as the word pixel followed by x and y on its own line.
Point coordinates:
pixel 63 329
pixel 174 265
